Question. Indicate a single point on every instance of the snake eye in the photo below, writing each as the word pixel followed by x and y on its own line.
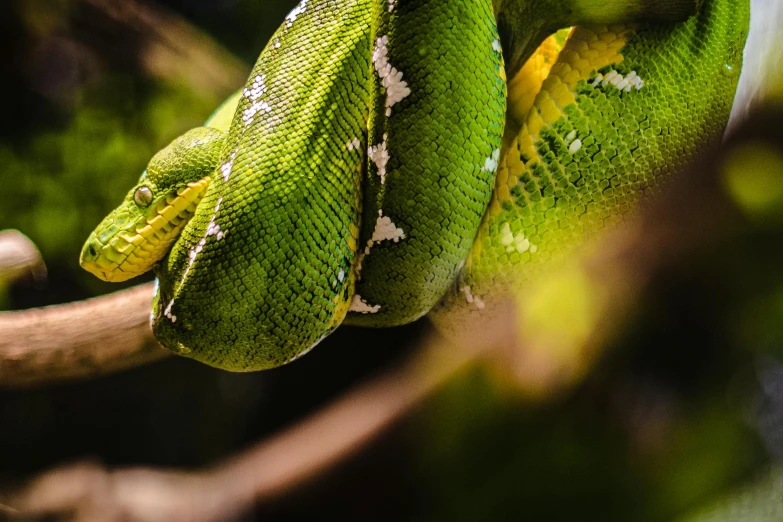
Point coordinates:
pixel 142 196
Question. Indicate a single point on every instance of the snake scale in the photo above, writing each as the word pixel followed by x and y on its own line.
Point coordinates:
pixel 374 167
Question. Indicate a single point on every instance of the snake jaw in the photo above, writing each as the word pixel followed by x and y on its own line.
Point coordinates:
pixel 121 248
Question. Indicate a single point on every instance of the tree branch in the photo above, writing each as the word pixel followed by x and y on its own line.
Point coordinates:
pixel 77 340
pixel 173 48
pixel 91 492
pixel 19 258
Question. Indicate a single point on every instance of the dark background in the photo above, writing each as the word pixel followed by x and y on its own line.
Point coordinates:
pixel 687 404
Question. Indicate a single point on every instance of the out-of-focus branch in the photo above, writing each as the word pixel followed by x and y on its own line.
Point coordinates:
pixel 77 340
pixel 19 258
pixel 175 49
pixel 91 492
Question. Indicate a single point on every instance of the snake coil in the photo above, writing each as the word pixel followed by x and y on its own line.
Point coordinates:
pixel 374 169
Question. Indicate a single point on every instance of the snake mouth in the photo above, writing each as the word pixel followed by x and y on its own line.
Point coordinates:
pixel 122 248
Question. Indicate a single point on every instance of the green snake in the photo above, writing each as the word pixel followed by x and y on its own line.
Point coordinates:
pixel 373 168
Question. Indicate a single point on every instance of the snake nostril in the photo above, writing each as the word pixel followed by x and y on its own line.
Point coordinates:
pixel 91 251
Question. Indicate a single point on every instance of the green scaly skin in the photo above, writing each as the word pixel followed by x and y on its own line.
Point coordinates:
pixel 553 192
pixel 266 269
pixel 361 160
pixel 427 193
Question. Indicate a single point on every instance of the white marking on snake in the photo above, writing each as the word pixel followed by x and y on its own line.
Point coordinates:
pixel 468 295
pixel 167 312
pixel 249 114
pixel 491 165
pixel 571 136
pixel 391 78
pixel 354 144
pixel 471 299
pixel 257 88
pixel 254 93
pixel 380 155
pixel 496 46
pixel 386 230
pixel 295 12
pixel 521 243
pixel 506 236
pixel 513 241
pixel 213 229
pixel 391 5
pixel 618 81
pixel 225 169
pixel 358 305
pixel 341 275
pixel 575 146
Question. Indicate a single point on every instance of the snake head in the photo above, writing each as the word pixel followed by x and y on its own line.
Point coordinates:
pixel 141 230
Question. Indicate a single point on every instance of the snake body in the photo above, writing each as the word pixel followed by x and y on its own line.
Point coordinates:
pixel 623 109
pixel 360 176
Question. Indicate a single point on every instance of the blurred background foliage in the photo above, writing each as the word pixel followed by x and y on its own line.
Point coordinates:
pixel 686 406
